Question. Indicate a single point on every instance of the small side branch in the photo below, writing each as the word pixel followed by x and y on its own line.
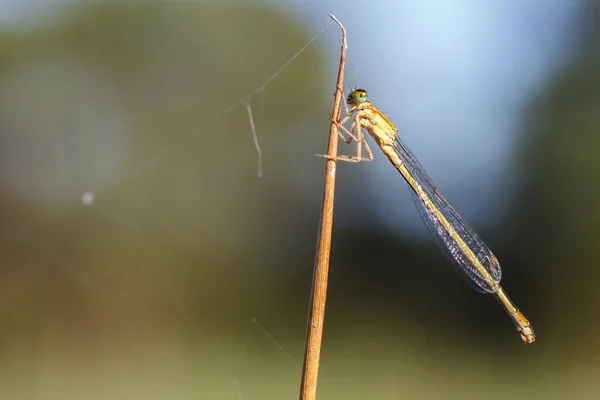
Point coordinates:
pixel 255 138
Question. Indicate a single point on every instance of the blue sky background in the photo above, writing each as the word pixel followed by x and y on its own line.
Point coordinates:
pixel 454 77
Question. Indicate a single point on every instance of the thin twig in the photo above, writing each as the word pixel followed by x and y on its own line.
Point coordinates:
pixel 316 316
pixel 255 137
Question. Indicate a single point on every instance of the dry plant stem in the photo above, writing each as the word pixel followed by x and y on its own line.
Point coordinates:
pixel 316 316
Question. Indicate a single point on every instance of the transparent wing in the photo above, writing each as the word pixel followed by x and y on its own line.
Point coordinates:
pixel 445 242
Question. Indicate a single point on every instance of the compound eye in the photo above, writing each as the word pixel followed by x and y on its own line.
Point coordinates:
pixel 360 96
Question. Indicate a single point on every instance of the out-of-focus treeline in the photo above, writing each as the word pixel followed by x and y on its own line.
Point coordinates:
pixel 555 216
pixel 186 276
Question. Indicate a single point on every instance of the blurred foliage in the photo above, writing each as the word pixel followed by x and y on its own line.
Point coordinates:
pixel 145 105
pixel 556 215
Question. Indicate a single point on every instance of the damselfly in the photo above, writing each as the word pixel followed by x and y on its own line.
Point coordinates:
pixel 469 255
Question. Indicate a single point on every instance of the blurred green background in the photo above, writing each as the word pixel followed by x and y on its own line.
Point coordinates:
pixel 142 257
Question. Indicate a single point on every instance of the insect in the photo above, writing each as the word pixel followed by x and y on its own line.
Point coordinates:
pixel 468 254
